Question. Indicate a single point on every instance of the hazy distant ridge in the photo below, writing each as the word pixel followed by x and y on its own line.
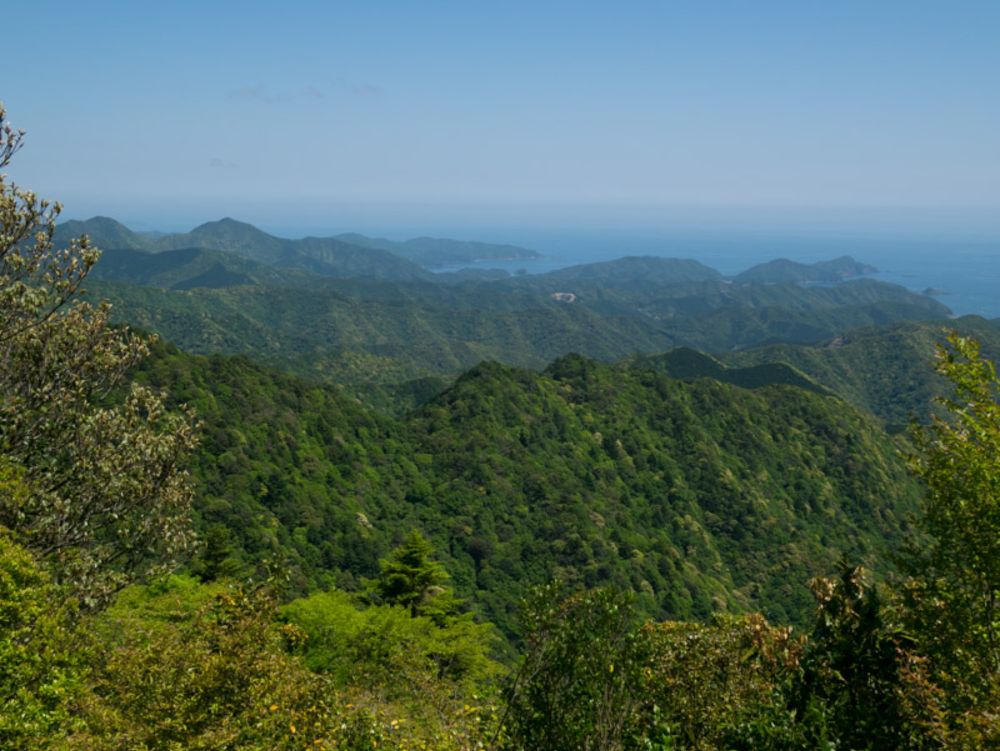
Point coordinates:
pixel 343 256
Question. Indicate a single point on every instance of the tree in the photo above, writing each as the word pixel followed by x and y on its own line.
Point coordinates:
pixel 107 496
pixel 579 684
pixel 412 578
pixel 862 685
pixel 954 592
pixel 721 684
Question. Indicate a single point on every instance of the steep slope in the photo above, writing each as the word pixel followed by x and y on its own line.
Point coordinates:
pixel 698 496
pixel 354 335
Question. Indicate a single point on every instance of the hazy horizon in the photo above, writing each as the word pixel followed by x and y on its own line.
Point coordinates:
pixel 378 117
pixel 486 223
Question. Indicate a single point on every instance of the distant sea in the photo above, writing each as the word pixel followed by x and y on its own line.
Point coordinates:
pixel 964 273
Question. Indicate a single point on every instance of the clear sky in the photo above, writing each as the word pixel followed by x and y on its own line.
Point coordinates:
pixel 324 113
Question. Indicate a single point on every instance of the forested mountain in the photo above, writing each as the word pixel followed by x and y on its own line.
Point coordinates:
pixel 699 496
pixel 328 257
pixel 706 486
pixel 104 232
pixel 344 255
pixel 887 371
pixel 363 332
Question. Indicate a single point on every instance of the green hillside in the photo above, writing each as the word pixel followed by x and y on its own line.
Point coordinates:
pixel 698 496
pixel 887 371
pixel 371 332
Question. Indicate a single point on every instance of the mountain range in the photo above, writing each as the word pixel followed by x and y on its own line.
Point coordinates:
pixel 360 315
pixel 343 256
pixel 644 423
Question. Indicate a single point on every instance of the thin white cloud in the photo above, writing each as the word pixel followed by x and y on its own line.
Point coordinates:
pixel 261 93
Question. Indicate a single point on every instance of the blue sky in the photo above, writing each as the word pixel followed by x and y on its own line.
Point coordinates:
pixel 340 113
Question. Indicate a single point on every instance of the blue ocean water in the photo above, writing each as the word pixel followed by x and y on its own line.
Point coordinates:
pixel 963 272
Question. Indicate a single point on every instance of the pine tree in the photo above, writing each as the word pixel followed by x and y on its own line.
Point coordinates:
pixel 410 577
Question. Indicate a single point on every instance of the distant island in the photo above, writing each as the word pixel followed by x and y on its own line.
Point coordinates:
pixel 784 271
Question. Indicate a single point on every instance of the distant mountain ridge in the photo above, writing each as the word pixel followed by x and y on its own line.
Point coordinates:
pixel 104 232
pixel 438 251
pixel 343 256
pixel 364 317
pixel 328 257
pixel 686 364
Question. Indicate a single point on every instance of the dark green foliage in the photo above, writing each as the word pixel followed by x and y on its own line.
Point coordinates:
pixel 411 578
pixel 191 268
pixel 218 557
pixel 380 334
pixel 689 364
pixel 862 685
